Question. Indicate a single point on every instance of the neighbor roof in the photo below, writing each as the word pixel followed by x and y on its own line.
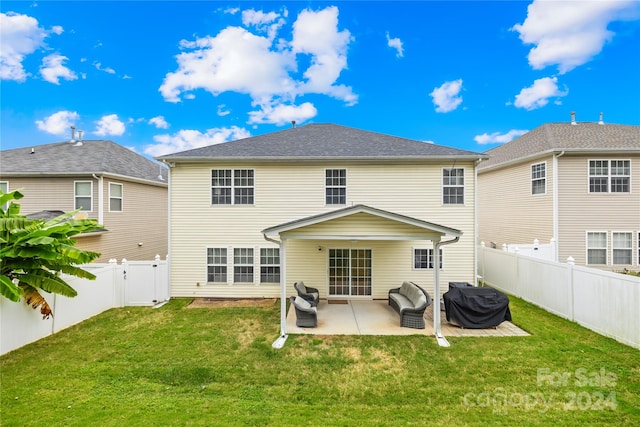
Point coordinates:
pixel 319 142
pixel 558 137
pixel 92 157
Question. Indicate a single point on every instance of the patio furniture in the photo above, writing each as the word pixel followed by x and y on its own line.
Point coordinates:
pixel 308 293
pixel 410 301
pixel 306 315
pixel 476 307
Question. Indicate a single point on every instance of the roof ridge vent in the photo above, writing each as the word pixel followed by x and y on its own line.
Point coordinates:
pixel 573 118
pixel 601 122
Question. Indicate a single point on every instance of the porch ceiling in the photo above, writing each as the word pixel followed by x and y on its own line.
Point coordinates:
pixel 361 222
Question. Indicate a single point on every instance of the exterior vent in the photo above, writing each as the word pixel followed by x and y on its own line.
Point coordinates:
pixel 601 122
pixel 573 118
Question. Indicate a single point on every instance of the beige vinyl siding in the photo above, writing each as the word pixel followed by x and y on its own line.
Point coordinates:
pixel 144 216
pixel 286 192
pixel 51 194
pixel 142 220
pixel 581 211
pixel 508 212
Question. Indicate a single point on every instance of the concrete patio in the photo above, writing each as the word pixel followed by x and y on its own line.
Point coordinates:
pixel 376 317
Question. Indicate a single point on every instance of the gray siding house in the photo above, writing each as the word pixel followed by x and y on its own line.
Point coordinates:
pixel 126 192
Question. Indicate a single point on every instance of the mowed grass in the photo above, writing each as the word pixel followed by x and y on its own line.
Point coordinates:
pixel 179 366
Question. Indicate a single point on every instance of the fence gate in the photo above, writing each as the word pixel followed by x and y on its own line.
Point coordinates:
pixel 146 283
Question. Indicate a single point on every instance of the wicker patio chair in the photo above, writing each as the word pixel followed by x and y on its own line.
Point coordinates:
pixel 306 315
pixel 308 293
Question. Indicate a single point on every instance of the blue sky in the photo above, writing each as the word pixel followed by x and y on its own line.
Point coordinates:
pixel 163 76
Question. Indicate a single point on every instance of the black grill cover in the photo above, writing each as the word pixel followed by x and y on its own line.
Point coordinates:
pixel 476 308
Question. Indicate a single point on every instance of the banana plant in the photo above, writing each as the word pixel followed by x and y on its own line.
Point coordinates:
pixel 34 253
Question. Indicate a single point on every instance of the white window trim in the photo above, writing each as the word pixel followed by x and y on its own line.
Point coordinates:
pixel 463 186
pixel 6 190
pixel 430 248
pixel 609 192
pixel 206 263
pixel 612 247
pixel 346 187
pixel 538 179
pixel 586 243
pixel 233 187
pixel 120 197
pixel 75 196
pixel 260 265
pixel 253 265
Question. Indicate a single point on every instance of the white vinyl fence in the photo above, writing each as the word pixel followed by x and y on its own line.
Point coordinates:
pixel 130 283
pixel 602 301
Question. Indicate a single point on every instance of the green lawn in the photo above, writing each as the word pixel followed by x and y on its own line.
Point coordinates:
pixel 179 366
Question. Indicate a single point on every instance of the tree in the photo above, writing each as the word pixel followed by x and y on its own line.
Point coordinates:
pixel 33 253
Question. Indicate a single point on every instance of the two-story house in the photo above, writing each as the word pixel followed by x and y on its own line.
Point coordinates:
pixel 350 212
pixel 126 193
pixel 575 182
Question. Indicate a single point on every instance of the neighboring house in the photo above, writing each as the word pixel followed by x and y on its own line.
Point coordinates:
pixel 350 212
pixel 124 191
pixel 577 183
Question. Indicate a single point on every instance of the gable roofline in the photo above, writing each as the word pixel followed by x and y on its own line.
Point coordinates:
pixel 99 157
pixel 581 138
pixel 549 153
pixel 321 142
pixel 356 209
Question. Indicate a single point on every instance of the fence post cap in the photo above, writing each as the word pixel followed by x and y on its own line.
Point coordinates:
pixel 571 260
pixel 482 244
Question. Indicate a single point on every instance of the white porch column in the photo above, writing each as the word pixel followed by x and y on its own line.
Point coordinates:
pixel 279 343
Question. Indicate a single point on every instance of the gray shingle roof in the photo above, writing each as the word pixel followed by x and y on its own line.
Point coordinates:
pixel 319 142
pixel 557 137
pixel 92 157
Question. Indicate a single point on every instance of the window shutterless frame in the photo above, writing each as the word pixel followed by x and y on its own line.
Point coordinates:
pixel 83 195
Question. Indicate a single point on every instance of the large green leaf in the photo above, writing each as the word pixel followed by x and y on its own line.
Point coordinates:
pixel 48 282
pixel 9 290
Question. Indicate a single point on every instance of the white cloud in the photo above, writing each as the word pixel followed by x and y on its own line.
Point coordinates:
pixel 570 33
pixel 538 94
pixel 20 36
pixel 52 69
pixel 109 125
pixel 223 111
pixel 189 139
pixel 264 68
pixel 316 34
pixel 499 138
pixel 107 70
pixel 269 23
pixel 395 43
pixel 58 123
pixel 447 97
pixel 281 114
pixel 159 122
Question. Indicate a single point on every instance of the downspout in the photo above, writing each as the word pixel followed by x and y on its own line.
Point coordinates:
pixel 476 231
pixel 169 257
pixel 442 341
pixel 555 203
pixel 100 198
pixel 279 342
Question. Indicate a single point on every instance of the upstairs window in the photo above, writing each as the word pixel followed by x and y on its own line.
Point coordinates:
pixel 453 186
pixel 83 195
pixel 232 187
pixel 336 186
pixel 597 248
pixel 423 259
pixel 217 265
pixel 609 176
pixel 269 265
pixel 539 178
pixel 622 248
pixel 4 187
pixel 115 197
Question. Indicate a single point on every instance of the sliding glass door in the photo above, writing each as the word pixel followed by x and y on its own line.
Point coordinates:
pixel 350 272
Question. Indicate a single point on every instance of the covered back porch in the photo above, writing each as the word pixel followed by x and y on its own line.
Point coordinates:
pixel 356 224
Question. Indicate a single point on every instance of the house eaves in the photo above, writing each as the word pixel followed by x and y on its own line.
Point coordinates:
pixel 426 226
